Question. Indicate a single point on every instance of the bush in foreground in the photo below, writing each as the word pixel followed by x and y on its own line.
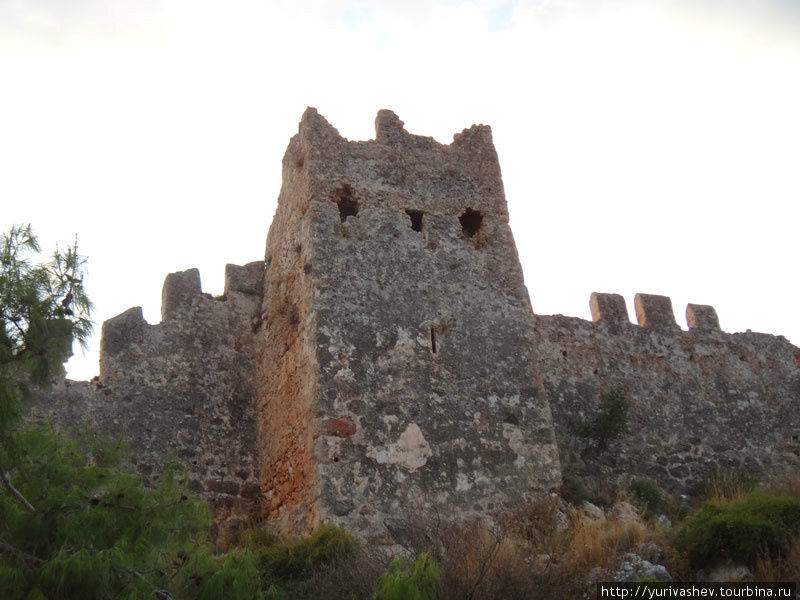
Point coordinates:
pixel 743 530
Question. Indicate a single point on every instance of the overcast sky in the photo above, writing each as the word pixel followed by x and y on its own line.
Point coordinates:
pixel 646 145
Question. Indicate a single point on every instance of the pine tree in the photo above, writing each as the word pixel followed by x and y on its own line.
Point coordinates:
pixel 73 522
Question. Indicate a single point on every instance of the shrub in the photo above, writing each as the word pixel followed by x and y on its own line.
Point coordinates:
pixel 573 490
pixel 297 559
pixel 405 580
pixel 741 530
pixel 647 497
pixel 610 422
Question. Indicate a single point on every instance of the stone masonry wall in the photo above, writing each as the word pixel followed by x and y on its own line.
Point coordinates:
pixel 701 400
pixel 384 363
pixel 181 390
pixel 397 367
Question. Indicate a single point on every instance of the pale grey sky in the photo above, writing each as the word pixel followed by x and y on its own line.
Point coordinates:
pixel 646 146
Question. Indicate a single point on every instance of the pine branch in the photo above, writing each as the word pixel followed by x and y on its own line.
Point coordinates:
pixel 29 558
pixel 15 492
pixel 160 594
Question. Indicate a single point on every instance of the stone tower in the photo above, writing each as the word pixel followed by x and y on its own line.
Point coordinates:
pixel 396 370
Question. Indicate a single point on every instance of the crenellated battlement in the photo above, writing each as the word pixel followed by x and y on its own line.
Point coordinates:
pixel 652 312
pixel 700 400
pixel 182 389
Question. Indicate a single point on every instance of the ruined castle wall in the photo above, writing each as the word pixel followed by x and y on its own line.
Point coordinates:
pixel 702 400
pixel 180 390
pixel 286 358
pixel 412 362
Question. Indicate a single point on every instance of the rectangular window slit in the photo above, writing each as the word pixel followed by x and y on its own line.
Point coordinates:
pixel 433 340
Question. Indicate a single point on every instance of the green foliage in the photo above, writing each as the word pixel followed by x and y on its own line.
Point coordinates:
pixel 608 424
pixel 266 568
pixel 236 579
pixel 647 497
pixel 573 490
pixel 296 559
pixel 96 531
pixel 43 307
pixel 742 530
pixel 405 580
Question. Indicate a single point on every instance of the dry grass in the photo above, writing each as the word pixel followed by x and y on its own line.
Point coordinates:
pixel 485 561
pixel 786 568
pixel 598 542
pixel 728 485
pixel 547 549
pixel 527 554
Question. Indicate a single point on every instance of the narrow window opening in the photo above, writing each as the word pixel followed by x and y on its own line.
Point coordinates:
pixel 416 219
pixel 471 222
pixel 348 207
pixel 433 340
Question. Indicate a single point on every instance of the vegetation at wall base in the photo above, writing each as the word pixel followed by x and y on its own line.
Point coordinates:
pixel 742 530
pixel 647 497
pixel 409 580
pixel 96 531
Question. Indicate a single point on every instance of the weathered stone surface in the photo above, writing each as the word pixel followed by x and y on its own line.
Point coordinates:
pixel 248 279
pixel 394 299
pixel 179 391
pixel 179 290
pixel 123 330
pixel 655 312
pixel 700 400
pixel 701 316
pixel 609 309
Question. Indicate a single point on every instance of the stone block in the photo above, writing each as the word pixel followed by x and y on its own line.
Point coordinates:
pixel 247 279
pixel 702 317
pixel 121 331
pixel 179 290
pixel 655 312
pixel 609 309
